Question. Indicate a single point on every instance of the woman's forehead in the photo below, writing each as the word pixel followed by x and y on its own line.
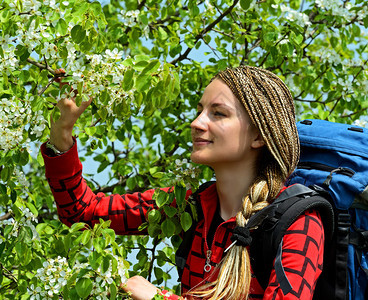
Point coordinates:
pixel 218 93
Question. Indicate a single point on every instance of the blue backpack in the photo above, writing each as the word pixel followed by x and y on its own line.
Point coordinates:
pixel 334 157
pixel 334 165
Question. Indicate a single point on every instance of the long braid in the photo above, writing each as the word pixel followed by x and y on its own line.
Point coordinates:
pixel 269 105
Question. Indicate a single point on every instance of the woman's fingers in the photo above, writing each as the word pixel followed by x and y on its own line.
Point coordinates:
pixel 68 104
pixel 140 288
pixel 59 74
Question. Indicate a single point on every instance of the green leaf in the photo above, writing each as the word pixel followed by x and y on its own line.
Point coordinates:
pixel 3 189
pixel 365 21
pixel 162 33
pixel 143 82
pixel 180 193
pixel 80 8
pixel 151 67
pixel 245 4
pixel 105 264
pixel 162 198
pixel 94 260
pixel 61 27
pixel 32 208
pixel 158 175
pixel 158 273
pixel 86 237
pixel 131 183
pixel 67 242
pixel 6 173
pixel 185 221
pixel 78 34
pixel 90 130
pixel 84 287
pixel 99 244
pixel 298 39
pixel 154 230
pixel 326 84
pixel 77 226
pixel 96 8
pixel 154 216
pixel 170 211
pixel 168 227
pixel 24 157
pixel 128 80
pixel 13 196
pixel 85 45
pixel 113 290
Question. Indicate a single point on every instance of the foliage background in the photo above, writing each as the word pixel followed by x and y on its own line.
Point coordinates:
pixel 145 63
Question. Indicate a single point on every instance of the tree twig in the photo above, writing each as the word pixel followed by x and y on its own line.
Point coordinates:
pixel 42 66
pixel 5 216
pixel 203 32
pixel 155 242
pixel 46 87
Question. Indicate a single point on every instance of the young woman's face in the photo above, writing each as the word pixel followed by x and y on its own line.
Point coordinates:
pixel 222 133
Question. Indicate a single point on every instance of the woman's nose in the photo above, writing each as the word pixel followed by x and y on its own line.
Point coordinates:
pixel 200 122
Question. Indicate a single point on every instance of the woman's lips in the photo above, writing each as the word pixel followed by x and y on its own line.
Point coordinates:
pixel 201 142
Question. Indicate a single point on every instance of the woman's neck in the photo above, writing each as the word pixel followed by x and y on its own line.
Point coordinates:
pixel 232 185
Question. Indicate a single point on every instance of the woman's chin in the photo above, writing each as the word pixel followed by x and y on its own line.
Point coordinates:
pixel 198 159
pixel 195 157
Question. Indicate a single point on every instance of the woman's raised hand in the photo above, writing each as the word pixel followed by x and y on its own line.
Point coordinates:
pixel 140 288
pixel 61 129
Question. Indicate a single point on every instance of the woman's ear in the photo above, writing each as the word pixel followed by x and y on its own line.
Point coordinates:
pixel 257 141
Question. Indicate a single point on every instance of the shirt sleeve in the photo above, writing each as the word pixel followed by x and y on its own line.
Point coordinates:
pixel 77 203
pixel 302 258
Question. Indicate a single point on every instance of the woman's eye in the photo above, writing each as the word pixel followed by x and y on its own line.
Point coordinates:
pixel 220 114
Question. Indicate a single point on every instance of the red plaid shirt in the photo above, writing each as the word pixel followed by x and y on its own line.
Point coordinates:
pixel 302 245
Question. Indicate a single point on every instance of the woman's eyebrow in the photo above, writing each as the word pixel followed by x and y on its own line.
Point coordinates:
pixel 216 104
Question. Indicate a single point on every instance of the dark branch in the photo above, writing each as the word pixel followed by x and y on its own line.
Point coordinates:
pixel 41 66
pixel 203 32
pixel 5 216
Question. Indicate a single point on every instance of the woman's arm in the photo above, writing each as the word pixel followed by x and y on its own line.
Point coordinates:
pixel 77 203
pixel 302 258
pixel 75 200
pixel 62 129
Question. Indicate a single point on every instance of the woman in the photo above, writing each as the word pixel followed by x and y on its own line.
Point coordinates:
pixel 245 130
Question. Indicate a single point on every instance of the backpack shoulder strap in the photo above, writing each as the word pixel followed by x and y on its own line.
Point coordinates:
pixel 278 216
pixel 183 251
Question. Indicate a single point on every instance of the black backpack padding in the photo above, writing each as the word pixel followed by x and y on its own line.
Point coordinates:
pixel 271 224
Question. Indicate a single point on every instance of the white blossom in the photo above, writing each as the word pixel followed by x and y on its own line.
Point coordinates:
pixel 328 55
pixel 336 8
pixel 114 54
pixel 129 18
pixel 346 86
pixel 292 15
pixel 55 273
pixel 49 50
pixel 35 292
pixel 361 123
pixel 8 62
pixel 184 170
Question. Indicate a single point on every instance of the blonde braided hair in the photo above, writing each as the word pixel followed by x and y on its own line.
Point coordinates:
pixel 269 104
